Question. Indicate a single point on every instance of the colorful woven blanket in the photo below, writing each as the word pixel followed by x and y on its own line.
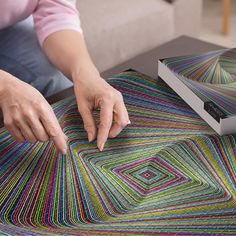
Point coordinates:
pixel 167 173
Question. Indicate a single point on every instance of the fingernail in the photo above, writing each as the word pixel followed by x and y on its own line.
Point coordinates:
pixel 90 137
pixel 64 151
pixel 101 147
pixel 129 122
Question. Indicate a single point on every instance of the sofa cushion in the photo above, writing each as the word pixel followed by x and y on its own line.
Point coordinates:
pixel 118 30
pixel 185 10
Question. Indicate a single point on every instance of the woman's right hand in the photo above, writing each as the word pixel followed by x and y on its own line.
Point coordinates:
pixel 27 115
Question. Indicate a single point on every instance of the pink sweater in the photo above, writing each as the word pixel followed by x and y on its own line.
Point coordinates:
pixel 49 15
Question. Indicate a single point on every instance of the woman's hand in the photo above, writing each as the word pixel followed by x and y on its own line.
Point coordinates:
pixel 93 92
pixel 27 115
pixel 67 50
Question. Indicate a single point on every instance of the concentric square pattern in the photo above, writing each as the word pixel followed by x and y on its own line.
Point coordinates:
pixel 166 173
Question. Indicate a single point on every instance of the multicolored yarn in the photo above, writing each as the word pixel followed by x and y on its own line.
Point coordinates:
pixel 167 173
pixel 212 76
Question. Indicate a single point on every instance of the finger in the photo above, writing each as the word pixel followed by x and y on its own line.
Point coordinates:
pixel 27 132
pixel 121 119
pixel 65 137
pixel 53 129
pixel 38 129
pixel 106 117
pixel 12 128
pixel 89 122
pixel 16 133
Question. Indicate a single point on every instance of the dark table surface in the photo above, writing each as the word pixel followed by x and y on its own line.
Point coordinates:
pixel 147 62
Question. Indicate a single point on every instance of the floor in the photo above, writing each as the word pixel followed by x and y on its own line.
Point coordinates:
pixel 212 23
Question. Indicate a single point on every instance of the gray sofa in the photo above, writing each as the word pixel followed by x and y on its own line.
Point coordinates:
pixel 117 30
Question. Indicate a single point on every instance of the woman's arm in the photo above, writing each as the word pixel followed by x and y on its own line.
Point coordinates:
pixel 67 51
pixel 28 119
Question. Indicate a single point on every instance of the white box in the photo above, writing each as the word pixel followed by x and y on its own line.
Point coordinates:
pixel 207 83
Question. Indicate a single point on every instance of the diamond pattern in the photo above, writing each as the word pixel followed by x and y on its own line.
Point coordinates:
pixel 167 173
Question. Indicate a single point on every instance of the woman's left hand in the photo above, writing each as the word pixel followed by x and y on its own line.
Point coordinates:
pixel 94 92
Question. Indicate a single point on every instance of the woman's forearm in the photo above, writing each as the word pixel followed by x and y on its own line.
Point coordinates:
pixel 67 50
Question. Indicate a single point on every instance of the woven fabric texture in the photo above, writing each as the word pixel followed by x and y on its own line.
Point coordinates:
pixel 167 173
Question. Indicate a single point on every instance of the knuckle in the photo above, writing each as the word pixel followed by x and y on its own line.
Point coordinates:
pixel 106 100
pixel 122 124
pixel 42 136
pixel 32 140
pixel 103 125
pixel 27 112
pixel 108 96
pixel 8 124
pixel 36 103
pixel 43 139
pixel 53 132
pixel 29 139
pixel 119 94
pixel 28 115
pixel 39 106
pixel 113 96
pixel 88 126
pixel 17 120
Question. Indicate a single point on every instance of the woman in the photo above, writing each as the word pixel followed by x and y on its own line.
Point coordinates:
pixel 25 70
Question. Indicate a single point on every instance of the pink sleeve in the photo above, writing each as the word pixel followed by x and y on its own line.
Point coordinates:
pixel 54 15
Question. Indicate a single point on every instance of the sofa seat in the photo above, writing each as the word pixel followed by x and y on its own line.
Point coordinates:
pixel 119 30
